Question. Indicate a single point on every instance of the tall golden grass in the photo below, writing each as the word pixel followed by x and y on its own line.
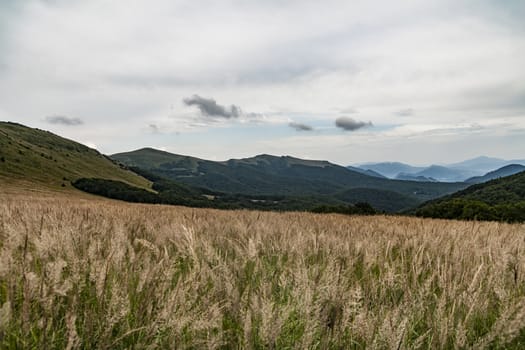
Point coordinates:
pixel 85 274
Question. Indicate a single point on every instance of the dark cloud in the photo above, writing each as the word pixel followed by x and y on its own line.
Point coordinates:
pixel 405 112
pixel 349 124
pixel 210 107
pixel 300 126
pixel 154 128
pixel 63 120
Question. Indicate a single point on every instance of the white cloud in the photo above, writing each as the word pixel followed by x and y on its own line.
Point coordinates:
pixel 126 66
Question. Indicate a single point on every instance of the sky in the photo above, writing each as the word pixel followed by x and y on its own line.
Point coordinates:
pixel 433 81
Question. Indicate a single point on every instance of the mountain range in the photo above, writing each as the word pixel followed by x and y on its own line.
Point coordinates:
pixel 287 176
pixel 455 172
pixel 37 158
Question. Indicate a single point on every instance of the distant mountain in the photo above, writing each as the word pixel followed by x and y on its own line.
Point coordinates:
pixel 485 164
pixel 36 158
pixel 273 175
pixel 366 171
pixel 433 173
pixel 444 174
pixel 454 172
pixel 500 199
pixel 412 177
pixel 501 172
pixel 390 169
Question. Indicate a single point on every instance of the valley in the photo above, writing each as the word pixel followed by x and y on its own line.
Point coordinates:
pixel 39 161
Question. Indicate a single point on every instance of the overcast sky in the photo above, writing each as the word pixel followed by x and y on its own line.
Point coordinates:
pixel 430 81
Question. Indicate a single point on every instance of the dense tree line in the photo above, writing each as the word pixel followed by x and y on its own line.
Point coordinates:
pixel 467 209
pixel 360 208
pixel 501 199
pixel 168 192
pixel 116 190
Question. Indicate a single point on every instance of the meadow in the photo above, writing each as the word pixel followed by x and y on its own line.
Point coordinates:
pixel 83 273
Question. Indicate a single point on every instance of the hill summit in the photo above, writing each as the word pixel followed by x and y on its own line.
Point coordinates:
pixel 286 176
pixel 36 158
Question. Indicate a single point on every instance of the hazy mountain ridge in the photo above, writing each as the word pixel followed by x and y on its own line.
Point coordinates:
pixel 368 172
pixel 445 174
pixel 391 169
pixel 454 172
pixel 414 177
pixel 485 164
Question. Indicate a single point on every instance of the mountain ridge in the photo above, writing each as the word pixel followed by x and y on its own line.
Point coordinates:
pixel 39 158
pixel 459 171
pixel 504 171
pixel 274 175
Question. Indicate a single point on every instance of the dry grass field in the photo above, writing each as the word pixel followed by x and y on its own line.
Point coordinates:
pixel 87 273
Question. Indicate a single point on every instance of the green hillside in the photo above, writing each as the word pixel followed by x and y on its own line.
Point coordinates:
pixel 499 199
pixel 384 200
pixel 170 192
pixel 33 157
pixel 271 175
pixel 507 170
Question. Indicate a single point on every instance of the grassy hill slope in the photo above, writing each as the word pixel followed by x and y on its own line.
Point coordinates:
pixel 501 172
pixel 499 199
pixel 36 158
